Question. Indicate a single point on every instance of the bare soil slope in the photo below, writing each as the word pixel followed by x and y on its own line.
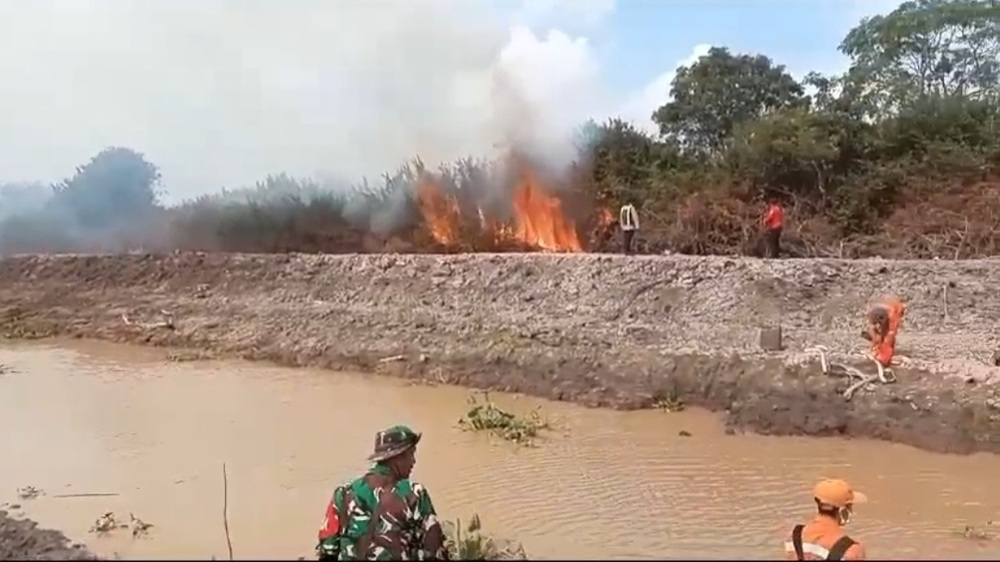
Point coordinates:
pixel 601 330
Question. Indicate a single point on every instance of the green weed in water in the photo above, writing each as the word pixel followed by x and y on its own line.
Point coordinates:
pixel 484 415
pixel 469 543
pixel 980 532
pixel 668 401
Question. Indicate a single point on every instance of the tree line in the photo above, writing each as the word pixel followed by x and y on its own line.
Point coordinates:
pixel 897 156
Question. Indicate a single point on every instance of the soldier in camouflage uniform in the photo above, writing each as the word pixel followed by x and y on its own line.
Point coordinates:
pixel 383 515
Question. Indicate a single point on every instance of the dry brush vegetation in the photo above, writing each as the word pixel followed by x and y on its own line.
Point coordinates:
pixel 897 157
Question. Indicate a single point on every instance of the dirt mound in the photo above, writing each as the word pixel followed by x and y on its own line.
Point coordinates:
pixel 21 539
pixel 597 329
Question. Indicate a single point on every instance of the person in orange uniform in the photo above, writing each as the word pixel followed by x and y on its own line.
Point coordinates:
pixel 774 221
pixel 885 316
pixel 824 538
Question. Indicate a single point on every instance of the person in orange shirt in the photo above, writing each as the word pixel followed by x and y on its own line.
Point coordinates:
pixel 824 538
pixel 885 316
pixel 774 221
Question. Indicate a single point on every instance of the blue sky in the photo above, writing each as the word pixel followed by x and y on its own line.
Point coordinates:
pixel 636 45
pixel 643 38
pixel 223 92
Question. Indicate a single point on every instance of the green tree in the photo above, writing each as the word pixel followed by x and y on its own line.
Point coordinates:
pixel 943 135
pixel 623 159
pixel 790 151
pixel 117 185
pixel 718 93
pixel 928 48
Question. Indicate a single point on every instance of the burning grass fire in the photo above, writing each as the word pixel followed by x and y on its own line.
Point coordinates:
pixel 534 218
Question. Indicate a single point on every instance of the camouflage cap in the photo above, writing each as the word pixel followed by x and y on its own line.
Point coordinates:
pixel 393 441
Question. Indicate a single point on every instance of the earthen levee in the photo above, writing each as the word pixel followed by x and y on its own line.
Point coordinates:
pixel 597 329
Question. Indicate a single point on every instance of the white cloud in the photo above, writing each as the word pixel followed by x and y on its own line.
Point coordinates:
pixel 225 91
pixel 640 107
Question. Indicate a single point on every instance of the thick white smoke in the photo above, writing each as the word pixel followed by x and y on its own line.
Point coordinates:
pixel 223 92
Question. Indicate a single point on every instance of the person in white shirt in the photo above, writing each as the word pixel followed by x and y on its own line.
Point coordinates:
pixel 628 219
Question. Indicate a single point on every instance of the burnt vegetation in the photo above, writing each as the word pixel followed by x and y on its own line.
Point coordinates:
pixel 897 157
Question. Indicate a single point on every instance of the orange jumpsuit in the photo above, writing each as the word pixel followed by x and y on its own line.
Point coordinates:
pixel 819 539
pixel 885 316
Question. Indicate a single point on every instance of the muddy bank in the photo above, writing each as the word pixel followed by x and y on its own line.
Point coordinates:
pixel 22 539
pixel 601 330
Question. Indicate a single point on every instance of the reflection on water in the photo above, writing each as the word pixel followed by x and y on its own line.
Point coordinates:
pixel 96 418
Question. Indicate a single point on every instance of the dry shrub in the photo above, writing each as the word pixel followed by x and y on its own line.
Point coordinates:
pixel 951 223
pixel 960 222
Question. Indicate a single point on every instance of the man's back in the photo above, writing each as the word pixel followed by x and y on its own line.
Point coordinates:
pixel 384 519
pixel 405 524
pixel 885 316
pixel 628 218
pixel 774 217
pixel 819 538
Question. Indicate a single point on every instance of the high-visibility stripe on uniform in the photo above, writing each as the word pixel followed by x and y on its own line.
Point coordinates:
pixel 808 549
pixel 628 218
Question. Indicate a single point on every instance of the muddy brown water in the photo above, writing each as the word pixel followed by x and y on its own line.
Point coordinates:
pixel 85 418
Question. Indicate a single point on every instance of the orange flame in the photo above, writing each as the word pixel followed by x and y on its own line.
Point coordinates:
pixel 440 211
pixel 539 220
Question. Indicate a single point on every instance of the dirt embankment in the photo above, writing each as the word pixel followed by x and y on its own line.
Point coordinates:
pixel 22 539
pixel 601 330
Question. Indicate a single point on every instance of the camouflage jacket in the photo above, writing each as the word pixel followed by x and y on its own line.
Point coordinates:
pixel 378 518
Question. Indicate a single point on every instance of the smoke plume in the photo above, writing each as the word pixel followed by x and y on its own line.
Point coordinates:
pixel 224 92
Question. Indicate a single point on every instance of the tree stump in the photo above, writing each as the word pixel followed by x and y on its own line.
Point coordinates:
pixel 770 338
